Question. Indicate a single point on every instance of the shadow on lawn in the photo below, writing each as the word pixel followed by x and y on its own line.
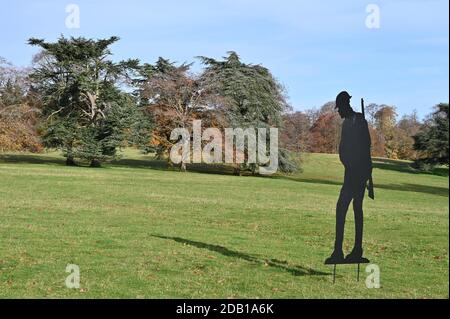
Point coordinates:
pixel 282 265
pixel 31 159
pixel 149 163
pixel 405 167
pixel 220 169
pixel 141 163
pixel 405 187
pixel 380 163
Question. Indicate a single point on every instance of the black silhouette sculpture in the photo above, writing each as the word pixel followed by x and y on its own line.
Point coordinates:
pixel 354 153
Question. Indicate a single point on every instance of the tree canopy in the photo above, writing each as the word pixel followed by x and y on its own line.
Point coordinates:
pixel 250 97
pixel 432 141
pixel 87 111
pixel 78 99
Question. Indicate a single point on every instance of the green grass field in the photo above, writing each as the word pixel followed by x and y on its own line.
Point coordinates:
pixel 138 230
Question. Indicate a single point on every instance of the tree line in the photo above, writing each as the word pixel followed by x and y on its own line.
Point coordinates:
pixel 408 138
pixel 75 98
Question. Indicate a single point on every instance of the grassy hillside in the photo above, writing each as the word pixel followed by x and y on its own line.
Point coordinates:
pixel 137 231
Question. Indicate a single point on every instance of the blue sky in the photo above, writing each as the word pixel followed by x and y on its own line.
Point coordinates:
pixel 315 48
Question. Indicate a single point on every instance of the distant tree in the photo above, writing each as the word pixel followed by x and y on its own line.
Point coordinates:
pixel 370 112
pixel 174 97
pixel 251 98
pixel 385 123
pixel 295 135
pixel 328 108
pixel 312 114
pixel 325 133
pixel 408 126
pixel 14 84
pixel 432 141
pixel 252 94
pixel 389 138
pixel 86 111
pixel 19 111
pixel 378 147
pixel 18 128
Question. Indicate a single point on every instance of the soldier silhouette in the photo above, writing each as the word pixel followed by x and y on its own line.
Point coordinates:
pixel 354 153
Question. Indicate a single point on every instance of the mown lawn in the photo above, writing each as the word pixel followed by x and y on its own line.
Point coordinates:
pixel 138 230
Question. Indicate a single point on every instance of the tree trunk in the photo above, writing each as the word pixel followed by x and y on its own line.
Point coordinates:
pixel 70 161
pixel 95 163
pixel 183 166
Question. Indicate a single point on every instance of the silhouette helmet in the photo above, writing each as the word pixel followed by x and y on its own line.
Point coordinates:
pixel 342 99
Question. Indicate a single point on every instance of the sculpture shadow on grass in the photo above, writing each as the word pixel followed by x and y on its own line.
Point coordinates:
pixel 294 270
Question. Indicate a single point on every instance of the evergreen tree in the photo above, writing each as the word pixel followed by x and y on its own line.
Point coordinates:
pixel 86 110
pixel 174 97
pixel 251 97
pixel 432 141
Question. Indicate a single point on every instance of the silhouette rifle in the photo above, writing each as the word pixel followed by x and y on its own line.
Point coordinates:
pixel 370 183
